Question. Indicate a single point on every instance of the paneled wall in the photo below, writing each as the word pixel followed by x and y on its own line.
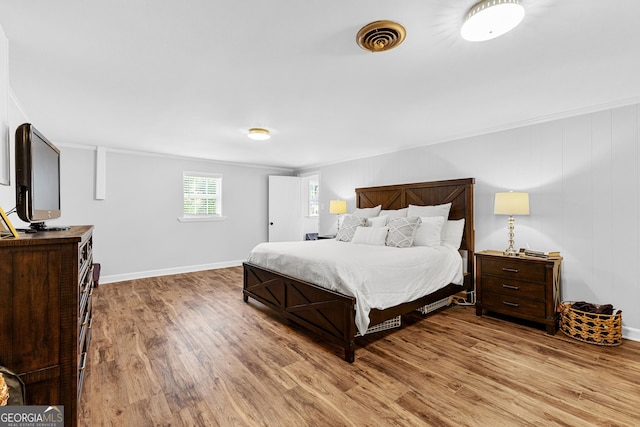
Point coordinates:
pixel 583 176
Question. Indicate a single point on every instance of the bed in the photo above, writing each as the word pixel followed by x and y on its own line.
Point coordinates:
pixel 332 314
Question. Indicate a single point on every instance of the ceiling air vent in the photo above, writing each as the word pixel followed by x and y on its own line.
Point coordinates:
pixel 379 36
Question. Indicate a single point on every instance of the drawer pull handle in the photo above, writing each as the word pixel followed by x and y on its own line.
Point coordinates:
pixel 511 304
pixel 515 288
pixel 510 270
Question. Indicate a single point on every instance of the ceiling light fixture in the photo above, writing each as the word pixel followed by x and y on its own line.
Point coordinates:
pixel 259 134
pixel 489 19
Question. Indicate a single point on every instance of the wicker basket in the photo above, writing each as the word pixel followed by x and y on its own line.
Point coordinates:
pixel 4 391
pixel 599 329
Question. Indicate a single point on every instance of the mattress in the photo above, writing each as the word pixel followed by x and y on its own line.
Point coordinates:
pixel 377 276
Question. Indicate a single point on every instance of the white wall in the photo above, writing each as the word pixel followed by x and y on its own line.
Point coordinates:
pixel 583 176
pixel 137 233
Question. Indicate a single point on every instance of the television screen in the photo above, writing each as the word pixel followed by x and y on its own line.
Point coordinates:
pixel 37 177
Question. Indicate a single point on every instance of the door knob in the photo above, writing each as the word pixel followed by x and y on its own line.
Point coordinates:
pixel 270 223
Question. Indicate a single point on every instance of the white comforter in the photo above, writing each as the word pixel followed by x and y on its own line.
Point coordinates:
pixel 377 276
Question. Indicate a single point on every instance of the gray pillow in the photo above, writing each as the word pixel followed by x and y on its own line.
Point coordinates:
pixel 401 231
pixel 348 227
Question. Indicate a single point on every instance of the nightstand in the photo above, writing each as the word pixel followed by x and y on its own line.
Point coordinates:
pixel 522 287
pixel 326 236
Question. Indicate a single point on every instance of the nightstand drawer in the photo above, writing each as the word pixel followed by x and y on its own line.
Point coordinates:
pixel 507 304
pixel 512 287
pixel 515 269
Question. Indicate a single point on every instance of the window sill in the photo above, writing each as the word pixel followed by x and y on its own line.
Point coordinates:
pixel 201 218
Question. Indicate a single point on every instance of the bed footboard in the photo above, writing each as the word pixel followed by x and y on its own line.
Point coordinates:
pixel 324 312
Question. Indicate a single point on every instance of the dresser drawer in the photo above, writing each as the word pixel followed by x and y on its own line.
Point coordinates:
pixel 511 305
pixel 513 287
pixel 514 269
pixel 83 327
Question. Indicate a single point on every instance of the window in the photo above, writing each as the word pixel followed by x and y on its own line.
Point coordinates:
pixel 311 192
pixel 314 207
pixel 202 196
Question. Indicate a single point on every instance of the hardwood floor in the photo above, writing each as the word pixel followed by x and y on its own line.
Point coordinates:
pixel 185 350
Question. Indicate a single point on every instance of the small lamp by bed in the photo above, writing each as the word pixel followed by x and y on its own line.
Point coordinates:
pixel 338 207
pixel 511 203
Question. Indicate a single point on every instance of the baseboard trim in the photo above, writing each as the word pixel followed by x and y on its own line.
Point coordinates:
pixel 632 334
pixel 167 271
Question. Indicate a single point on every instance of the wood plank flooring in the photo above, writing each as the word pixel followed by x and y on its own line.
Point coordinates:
pixel 185 350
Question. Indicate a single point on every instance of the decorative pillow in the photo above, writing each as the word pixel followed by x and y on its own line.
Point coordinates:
pixel 370 235
pixel 436 210
pixel 397 213
pixel 348 227
pixel 429 232
pixel 367 212
pixel 377 221
pixel 452 233
pixel 401 231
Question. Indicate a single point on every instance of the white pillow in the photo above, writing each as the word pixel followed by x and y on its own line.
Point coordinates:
pixel 436 210
pixel 452 233
pixel 370 236
pixel 397 213
pixel 367 212
pixel 377 221
pixel 429 232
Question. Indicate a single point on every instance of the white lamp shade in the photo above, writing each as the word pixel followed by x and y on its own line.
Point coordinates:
pixel 338 206
pixel 489 19
pixel 511 203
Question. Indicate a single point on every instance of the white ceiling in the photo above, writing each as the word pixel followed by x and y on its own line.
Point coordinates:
pixel 190 77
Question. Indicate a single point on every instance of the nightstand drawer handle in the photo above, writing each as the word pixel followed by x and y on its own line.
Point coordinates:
pixel 515 288
pixel 511 304
pixel 510 270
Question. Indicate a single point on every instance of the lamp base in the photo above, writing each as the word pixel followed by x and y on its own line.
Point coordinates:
pixel 511 251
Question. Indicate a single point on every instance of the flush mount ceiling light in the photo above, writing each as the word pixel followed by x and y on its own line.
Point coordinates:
pixel 259 134
pixel 379 36
pixel 489 19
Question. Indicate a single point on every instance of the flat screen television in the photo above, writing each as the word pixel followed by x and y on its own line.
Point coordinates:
pixel 37 178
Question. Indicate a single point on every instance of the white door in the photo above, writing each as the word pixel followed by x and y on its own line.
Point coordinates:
pixel 285 208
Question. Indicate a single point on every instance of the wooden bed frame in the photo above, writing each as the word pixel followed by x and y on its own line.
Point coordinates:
pixel 331 314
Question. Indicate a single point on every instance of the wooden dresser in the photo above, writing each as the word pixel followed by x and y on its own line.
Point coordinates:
pixel 522 287
pixel 46 286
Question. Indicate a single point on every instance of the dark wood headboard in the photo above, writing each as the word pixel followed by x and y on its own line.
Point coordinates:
pixel 457 191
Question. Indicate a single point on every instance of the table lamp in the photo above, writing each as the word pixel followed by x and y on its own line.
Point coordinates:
pixel 338 207
pixel 511 203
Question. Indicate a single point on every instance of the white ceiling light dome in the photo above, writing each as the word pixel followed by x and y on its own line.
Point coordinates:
pixel 259 134
pixel 489 19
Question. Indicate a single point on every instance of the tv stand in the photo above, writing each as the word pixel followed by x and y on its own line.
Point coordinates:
pixel 41 226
